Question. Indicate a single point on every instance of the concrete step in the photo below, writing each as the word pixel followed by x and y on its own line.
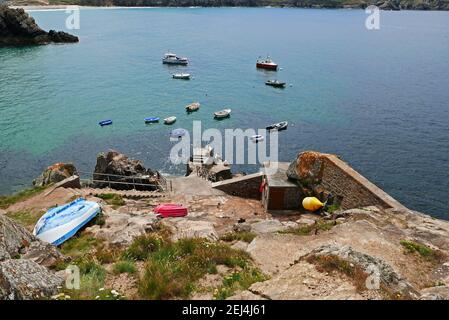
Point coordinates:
pixel 134 194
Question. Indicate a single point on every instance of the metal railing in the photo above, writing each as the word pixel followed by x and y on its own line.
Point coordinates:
pixel 156 182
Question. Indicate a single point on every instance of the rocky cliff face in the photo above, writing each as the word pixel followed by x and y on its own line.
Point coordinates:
pixel 114 168
pixel 18 28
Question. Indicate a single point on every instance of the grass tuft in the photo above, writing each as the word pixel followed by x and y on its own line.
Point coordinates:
pixel 80 244
pixel 423 250
pixel 124 267
pixel 308 230
pixel 27 219
pixel 332 264
pixel 239 280
pixel 112 199
pixel 142 247
pixel 238 236
pixel 172 270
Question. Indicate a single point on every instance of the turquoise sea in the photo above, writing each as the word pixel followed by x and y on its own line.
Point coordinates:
pixel 379 99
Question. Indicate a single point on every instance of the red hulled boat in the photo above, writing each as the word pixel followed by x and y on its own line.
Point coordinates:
pixel 267 64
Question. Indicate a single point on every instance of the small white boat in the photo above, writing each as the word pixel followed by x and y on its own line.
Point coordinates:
pixel 183 76
pixel 170 120
pixel 171 58
pixel 61 223
pixel 257 137
pixel 222 113
pixel 193 107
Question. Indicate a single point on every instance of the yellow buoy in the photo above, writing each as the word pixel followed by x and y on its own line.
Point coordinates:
pixel 312 204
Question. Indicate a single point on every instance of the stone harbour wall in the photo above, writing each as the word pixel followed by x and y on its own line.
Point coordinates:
pixel 357 191
pixel 246 186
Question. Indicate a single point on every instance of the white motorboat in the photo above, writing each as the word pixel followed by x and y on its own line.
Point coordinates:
pixel 170 120
pixel 171 58
pixel 222 113
pixel 183 76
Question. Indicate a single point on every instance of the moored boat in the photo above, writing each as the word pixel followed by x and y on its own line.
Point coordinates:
pixel 182 76
pixel 178 133
pixel 151 120
pixel 61 223
pixel 275 83
pixel 257 137
pixel 278 126
pixel 105 122
pixel 171 58
pixel 222 113
pixel 193 107
pixel 170 210
pixel 266 64
pixel 170 120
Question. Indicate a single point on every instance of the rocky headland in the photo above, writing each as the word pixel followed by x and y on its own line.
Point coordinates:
pixel 18 28
pixel 365 252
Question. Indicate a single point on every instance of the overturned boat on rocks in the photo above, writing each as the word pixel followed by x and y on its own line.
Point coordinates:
pixel 61 223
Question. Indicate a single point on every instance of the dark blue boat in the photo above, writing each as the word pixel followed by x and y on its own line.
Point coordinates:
pixel 151 120
pixel 105 122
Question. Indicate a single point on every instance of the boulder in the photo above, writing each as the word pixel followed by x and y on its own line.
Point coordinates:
pixel 184 228
pixel 307 168
pixel 13 238
pixel 435 293
pixel 16 241
pixel 114 163
pixel 120 229
pixel 55 173
pixel 268 226
pixel 306 222
pixel 18 28
pixel 22 279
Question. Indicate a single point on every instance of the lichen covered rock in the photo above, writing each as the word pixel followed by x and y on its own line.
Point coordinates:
pixel 22 279
pixel 55 173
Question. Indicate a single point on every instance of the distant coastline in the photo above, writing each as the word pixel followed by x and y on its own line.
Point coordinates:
pixel 391 5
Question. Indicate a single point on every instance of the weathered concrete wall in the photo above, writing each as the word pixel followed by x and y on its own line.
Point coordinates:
pixel 357 191
pixel 245 186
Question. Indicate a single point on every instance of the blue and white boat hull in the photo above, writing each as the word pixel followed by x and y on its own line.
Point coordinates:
pixel 61 223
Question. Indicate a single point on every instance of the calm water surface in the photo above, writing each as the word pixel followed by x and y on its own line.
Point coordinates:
pixel 379 99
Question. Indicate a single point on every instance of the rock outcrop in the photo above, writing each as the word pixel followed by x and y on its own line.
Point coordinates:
pixel 55 173
pixel 22 279
pixel 120 229
pixel 116 167
pixel 184 228
pixel 23 262
pixel 18 28
pixel 17 242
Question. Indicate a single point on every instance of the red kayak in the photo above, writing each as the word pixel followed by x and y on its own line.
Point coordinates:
pixel 171 210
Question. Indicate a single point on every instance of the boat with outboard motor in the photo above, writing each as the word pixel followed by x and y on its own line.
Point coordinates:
pixel 172 58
